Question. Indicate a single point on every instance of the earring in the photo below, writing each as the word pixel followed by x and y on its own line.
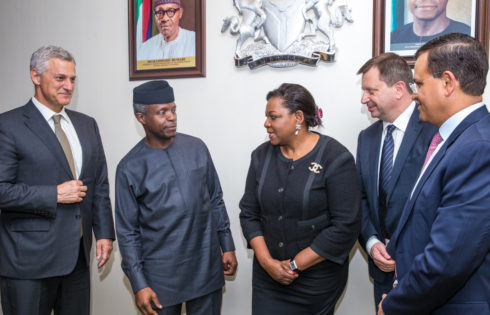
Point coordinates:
pixel 298 127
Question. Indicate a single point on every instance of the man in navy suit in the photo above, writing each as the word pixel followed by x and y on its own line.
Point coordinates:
pixel 385 80
pixel 442 242
pixel 53 193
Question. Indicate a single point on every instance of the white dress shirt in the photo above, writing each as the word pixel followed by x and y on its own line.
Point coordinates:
pixel 67 127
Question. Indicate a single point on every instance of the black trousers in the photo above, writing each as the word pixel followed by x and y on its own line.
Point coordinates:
pixel 66 295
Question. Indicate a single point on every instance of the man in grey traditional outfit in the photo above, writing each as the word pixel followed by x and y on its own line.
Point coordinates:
pixel 173 229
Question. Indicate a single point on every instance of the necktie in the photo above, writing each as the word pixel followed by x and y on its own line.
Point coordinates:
pixel 60 134
pixel 436 140
pixel 385 169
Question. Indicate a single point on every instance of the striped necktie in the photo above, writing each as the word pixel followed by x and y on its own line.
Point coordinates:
pixel 385 170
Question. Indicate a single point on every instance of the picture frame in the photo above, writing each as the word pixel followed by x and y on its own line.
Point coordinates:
pixel 183 58
pixel 385 14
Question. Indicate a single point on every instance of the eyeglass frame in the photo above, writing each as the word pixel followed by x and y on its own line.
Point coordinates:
pixel 165 12
pixel 414 86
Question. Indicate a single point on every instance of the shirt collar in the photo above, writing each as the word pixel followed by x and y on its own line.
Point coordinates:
pixel 48 112
pixel 401 122
pixel 449 125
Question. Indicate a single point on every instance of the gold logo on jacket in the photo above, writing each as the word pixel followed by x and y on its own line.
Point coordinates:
pixel 315 168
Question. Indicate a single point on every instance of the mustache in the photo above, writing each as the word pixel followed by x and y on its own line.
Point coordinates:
pixel 418 3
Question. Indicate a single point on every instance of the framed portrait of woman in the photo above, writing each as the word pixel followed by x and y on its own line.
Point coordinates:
pixel 403 26
pixel 166 39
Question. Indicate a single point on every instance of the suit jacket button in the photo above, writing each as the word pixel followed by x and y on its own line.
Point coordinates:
pixel 281 244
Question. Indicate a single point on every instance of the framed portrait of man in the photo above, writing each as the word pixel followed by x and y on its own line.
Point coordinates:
pixel 402 26
pixel 166 39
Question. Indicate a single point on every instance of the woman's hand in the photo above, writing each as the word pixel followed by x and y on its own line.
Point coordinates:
pixel 280 271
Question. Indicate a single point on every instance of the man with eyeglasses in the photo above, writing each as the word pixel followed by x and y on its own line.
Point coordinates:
pixel 172 41
pixel 442 243
pixel 390 154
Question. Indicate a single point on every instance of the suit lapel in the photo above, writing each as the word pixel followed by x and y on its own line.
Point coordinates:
pixel 373 163
pixel 40 127
pixel 413 129
pixel 467 122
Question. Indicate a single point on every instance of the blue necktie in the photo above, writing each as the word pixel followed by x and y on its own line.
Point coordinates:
pixel 385 170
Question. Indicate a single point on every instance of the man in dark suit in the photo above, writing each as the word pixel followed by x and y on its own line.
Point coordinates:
pixel 400 134
pixel 53 192
pixel 442 242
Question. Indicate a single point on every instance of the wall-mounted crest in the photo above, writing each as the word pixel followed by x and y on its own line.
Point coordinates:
pixel 283 33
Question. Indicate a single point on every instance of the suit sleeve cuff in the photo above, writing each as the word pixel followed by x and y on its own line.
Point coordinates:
pixel 46 201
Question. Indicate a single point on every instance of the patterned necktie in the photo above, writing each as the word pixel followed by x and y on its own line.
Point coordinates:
pixel 436 140
pixel 385 169
pixel 60 134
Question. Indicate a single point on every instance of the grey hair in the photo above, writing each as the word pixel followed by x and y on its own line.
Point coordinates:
pixel 140 108
pixel 40 58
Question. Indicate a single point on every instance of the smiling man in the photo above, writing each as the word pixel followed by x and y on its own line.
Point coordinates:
pixel 390 154
pixel 174 232
pixel 429 21
pixel 172 41
pixel 442 243
pixel 53 193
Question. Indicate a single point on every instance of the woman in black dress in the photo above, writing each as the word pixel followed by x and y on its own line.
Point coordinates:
pixel 301 210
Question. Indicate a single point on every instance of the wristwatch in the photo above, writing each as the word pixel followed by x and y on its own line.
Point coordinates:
pixel 293 266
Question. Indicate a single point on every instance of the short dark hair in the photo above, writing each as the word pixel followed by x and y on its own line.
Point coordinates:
pixel 295 98
pixel 392 68
pixel 461 54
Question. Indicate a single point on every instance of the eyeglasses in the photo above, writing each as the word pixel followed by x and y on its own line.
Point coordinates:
pixel 170 13
pixel 414 86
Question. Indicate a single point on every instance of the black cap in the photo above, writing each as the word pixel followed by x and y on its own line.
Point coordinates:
pixel 153 92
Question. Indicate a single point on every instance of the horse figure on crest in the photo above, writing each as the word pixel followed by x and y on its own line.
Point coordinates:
pixel 324 21
pixel 250 26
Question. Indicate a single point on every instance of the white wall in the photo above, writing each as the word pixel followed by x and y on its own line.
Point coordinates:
pixel 225 109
